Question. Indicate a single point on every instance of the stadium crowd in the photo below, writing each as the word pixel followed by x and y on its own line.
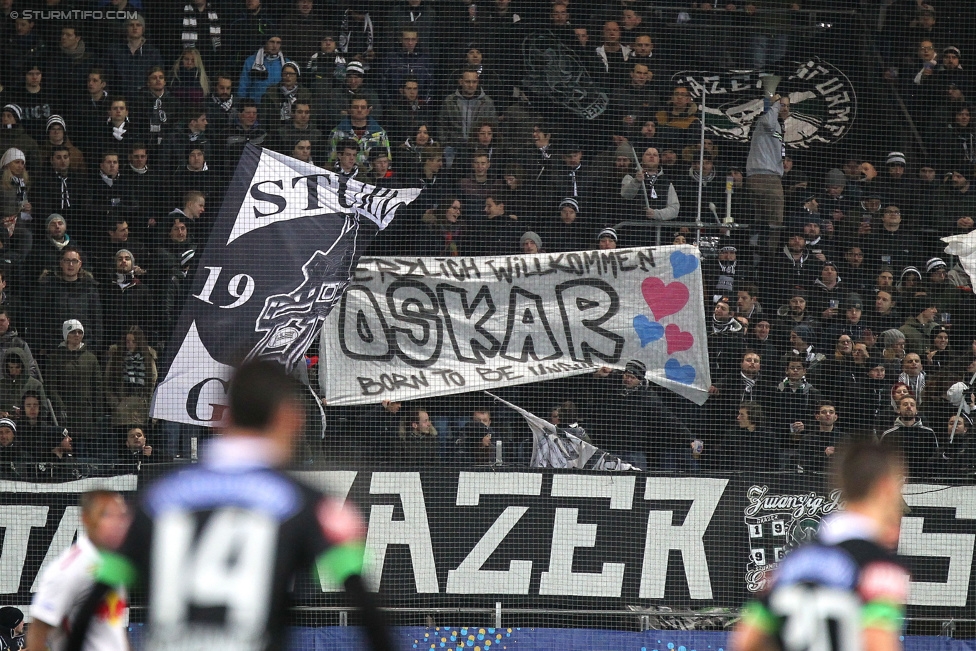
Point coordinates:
pixel 833 315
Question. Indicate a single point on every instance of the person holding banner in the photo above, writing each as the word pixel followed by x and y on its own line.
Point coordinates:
pixel 764 167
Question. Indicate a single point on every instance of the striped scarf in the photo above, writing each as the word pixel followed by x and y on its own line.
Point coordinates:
pixel 190 34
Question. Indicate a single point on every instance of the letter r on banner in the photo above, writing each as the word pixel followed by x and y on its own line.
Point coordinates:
pixel 662 536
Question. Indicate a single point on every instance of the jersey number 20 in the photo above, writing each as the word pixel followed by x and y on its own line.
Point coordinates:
pixel 817 618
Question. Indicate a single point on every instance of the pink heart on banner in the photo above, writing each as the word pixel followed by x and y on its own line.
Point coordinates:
pixel 677 339
pixel 664 299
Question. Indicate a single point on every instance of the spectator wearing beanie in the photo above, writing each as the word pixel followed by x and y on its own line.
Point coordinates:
pixel 606 240
pixel 46 256
pixel 12 628
pixel 74 382
pixel 835 204
pixel 530 243
pixel 15 181
pixel 570 231
pixel 56 137
pixel 262 70
pixel 12 453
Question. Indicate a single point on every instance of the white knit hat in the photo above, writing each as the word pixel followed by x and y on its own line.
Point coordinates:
pixel 11 155
pixel 70 326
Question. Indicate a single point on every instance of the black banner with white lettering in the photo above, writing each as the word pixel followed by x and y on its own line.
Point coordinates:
pixel 280 255
pixel 586 540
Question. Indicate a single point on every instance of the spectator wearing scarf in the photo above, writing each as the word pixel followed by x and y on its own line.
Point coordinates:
pixel 262 70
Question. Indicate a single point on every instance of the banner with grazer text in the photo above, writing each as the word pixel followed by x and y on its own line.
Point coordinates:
pixel 544 539
pixel 409 328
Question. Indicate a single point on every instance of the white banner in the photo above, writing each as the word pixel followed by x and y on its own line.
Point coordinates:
pixel 409 328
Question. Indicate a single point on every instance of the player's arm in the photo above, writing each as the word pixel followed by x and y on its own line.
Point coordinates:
pixel 37 634
pixel 879 640
pixel 755 629
pixel 884 590
pixel 342 563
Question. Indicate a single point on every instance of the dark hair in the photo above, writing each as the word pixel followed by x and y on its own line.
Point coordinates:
pixel 413 416
pixel 97 71
pixel 346 143
pixel 749 289
pixel 755 411
pixel 154 70
pixel 195 111
pixel 567 411
pixel 62 147
pixel 257 390
pixel 431 152
pixel 30 394
pixel 247 102
pixel 71 249
pixel 861 465
pixel 793 357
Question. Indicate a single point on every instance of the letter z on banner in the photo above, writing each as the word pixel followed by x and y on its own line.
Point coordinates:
pixel 279 258
pixel 409 328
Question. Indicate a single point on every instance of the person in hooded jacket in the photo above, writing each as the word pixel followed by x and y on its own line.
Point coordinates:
pixel 47 445
pixel 9 338
pixel 15 380
pixel 74 378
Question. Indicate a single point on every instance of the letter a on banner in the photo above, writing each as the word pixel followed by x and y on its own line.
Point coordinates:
pixel 279 258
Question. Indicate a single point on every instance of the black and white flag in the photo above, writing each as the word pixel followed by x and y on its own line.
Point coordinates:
pixel 553 447
pixel 280 256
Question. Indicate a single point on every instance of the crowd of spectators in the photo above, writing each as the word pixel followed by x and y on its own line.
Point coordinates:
pixel 119 138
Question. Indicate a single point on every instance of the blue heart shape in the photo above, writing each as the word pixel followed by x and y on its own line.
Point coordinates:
pixel 682 264
pixel 647 330
pixel 673 370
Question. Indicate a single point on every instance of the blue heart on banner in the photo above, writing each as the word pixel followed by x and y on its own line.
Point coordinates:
pixel 682 264
pixel 673 370
pixel 647 330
